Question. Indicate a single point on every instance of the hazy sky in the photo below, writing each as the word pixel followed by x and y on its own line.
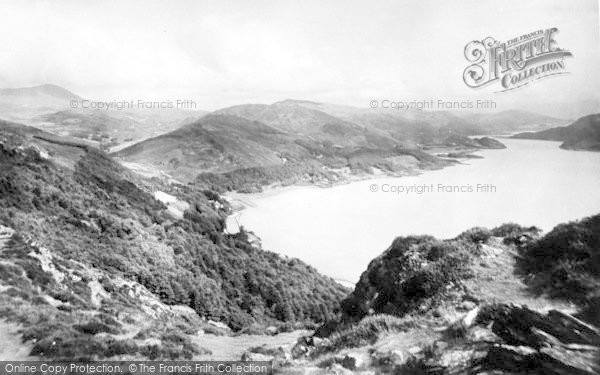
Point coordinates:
pixel 221 53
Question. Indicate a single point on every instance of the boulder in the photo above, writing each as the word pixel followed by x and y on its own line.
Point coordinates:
pixel 300 350
pixel 219 325
pixel 415 350
pixel 511 339
pixel 467 305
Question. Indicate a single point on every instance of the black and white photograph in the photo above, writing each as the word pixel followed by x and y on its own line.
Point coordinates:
pixel 300 187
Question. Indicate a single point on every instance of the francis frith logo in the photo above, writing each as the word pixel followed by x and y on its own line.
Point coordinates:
pixel 514 63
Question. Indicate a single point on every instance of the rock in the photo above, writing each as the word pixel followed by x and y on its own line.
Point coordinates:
pixel 218 325
pixel 299 350
pixel 522 326
pixel 455 358
pixel 284 358
pixel 469 296
pixel 316 341
pixel 352 361
pixel 513 339
pixel 256 357
pixel 440 345
pixel 468 320
pixel 467 305
pixel 271 330
pixel 398 356
pixel 415 350
pixel 200 332
pixel 481 334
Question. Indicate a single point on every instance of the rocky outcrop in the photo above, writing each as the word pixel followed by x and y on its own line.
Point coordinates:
pixel 511 339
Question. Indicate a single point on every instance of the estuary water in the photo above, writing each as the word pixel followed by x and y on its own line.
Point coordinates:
pixel 338 230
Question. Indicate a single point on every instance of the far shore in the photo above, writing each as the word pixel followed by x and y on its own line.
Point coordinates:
pixel 240 201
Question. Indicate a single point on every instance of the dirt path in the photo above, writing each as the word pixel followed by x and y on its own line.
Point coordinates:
pixel 496 280
pixel 232 347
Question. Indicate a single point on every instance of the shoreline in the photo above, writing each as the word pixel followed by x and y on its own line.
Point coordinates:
pixel 240 201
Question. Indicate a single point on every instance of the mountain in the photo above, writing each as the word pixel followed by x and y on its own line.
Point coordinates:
pixel 405 125
pixel 50 107
pixel 443 123
pixel 583 134
pixel 109 129
pixel 215 143
pixel 19 104
pixel 97 262
pixel 249 146
pixel 293 118
pixel 36 94
pixel 511 121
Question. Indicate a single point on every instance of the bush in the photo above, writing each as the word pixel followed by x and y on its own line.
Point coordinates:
pixel 95 326
pixel 476 235
pixel 512 229
pixel 416 269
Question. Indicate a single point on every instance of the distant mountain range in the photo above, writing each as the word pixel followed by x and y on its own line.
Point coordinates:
pixel 51 108
pixel 37 96
pixel 583 134
pixel 251 145
pixel 244 146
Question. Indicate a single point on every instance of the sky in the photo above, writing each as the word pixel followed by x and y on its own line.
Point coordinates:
pixel 227 52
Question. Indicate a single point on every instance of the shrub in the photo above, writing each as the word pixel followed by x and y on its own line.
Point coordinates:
pixel 512 229
pixel 414 270
pixel 476 235
pixel 95 326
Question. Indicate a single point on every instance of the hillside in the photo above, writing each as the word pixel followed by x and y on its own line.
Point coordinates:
pixel 441 122
pixel 25 103
pixel 60 111
pixel 246 147
pixel 93 266
pixel 38 95
pixel 502 301
pixel 511 121
pixel 583 134
pixel 108 129
pixel 227 151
